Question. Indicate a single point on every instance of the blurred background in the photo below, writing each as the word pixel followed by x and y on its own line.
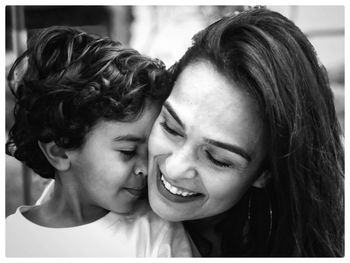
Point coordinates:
pixel 158 31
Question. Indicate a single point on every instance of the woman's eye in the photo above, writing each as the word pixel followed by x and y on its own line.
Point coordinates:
pixel 169 130
pixel 216 162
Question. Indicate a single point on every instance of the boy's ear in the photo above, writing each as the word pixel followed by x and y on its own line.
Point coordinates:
pixel 261 181
pixel 56 155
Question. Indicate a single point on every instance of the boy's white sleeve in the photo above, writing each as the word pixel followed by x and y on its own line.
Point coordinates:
pixel 174 242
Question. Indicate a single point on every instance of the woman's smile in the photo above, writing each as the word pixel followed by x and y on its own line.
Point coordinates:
pixel 175 193
pixel 175 190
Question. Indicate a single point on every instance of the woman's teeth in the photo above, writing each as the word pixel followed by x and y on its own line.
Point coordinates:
pixel 174 190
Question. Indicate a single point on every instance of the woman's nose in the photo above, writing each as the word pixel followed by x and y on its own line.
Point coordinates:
pixel 180 164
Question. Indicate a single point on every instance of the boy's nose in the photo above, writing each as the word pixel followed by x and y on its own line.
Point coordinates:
pixel 140 172
pixel 141 167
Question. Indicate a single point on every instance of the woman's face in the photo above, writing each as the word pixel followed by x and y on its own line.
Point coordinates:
pixel 205 148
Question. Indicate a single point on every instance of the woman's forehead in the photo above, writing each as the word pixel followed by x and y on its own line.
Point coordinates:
pixel 201 78
pixel 210 104
pixel 206 92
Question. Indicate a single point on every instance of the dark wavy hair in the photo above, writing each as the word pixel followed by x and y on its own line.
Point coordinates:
pixel 266 54
pixel 70 81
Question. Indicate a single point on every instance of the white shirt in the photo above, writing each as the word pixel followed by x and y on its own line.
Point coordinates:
pixel 140 234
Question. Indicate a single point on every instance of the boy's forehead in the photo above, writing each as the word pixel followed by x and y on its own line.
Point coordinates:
pixel 148 115
pixel 135 130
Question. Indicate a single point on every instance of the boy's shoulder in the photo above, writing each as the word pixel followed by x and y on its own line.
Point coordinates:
pixel 161 238
pixel 143 214
pixel 142 210
pixel 17 217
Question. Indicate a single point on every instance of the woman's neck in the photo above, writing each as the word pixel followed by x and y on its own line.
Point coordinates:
pixel 219 235
pixel 207 234
pixel 67 207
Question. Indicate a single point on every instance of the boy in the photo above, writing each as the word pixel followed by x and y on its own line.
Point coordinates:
pixel 84 110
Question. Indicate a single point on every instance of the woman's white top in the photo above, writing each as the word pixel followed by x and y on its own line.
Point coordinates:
pixel 140 234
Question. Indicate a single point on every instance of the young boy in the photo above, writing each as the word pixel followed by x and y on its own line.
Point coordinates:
pixel 84 110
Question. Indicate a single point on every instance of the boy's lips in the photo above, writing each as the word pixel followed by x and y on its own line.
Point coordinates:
pixel 135 191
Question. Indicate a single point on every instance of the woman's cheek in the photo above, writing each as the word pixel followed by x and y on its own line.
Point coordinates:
pixel 158 143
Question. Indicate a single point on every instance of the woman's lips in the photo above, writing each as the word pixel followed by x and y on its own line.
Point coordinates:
pixel 174 189
pixel 173 193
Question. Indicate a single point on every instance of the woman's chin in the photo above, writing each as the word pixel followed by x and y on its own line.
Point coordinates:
pixel 166 212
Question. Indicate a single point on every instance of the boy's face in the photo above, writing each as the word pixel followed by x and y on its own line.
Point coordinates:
pixel 105 167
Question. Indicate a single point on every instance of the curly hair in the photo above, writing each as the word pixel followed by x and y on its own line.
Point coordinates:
pixel 70 81
pixel 267 55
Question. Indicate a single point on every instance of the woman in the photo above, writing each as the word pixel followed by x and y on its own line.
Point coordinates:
pixel 247 150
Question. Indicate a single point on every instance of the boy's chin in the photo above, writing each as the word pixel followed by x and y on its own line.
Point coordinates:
pixel 126 209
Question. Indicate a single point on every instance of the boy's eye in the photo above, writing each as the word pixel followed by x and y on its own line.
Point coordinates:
pixel 216 162
pixel 169 130
pixel 128 154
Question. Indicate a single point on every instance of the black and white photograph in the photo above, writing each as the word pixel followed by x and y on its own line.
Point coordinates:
pixel 174 131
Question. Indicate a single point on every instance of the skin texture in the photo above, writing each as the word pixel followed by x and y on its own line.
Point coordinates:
pixel 108 173
pixel 209 107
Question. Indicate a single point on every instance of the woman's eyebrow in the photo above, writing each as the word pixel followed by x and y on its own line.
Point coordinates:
pixel 232 148
pixel 173 113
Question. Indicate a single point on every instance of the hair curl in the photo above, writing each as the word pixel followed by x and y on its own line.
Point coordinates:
pixel 266 54
pixel 71 80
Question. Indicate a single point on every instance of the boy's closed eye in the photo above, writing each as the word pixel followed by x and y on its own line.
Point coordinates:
pixel 127 145
pixel 127 154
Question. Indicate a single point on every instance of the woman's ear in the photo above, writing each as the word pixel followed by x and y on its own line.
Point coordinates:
pixel 56 155
pixel 262 180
